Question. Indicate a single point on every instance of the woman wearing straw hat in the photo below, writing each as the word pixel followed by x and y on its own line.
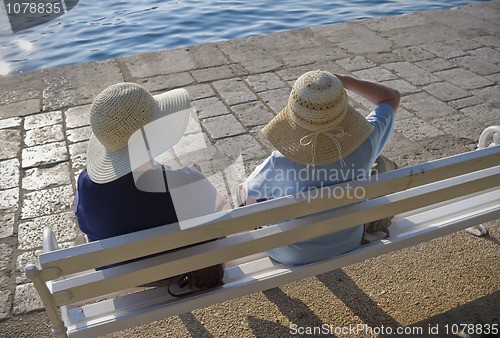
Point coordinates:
pixel 122 189
pixel 322 140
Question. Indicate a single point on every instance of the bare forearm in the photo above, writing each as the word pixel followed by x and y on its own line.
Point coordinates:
pixel 374 92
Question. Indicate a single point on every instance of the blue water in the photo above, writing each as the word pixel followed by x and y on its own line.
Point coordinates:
pixel 99 30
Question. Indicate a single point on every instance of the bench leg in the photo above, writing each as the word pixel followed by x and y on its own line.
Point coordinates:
pixel 58 327
pixel 494 133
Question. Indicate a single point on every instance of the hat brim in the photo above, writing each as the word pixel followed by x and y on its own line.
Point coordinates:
pixel 168 124
pixel 285 135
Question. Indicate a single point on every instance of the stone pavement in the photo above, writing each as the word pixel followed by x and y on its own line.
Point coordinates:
pixel 446 64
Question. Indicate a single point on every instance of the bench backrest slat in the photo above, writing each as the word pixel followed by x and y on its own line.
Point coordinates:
pixel 151 241
pixel 114 279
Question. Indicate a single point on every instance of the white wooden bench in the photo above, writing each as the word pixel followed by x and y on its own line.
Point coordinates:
pixel 429 200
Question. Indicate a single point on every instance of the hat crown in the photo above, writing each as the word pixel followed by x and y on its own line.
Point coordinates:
pixel 118 111
pixel 318 101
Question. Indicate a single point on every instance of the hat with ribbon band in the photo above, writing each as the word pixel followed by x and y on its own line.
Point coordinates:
pixel 318 126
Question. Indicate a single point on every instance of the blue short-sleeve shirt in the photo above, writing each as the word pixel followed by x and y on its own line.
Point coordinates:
pixel 279 176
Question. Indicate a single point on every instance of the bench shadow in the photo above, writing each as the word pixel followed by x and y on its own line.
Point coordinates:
pixel 294 309
pixel 346 290
pixel 264 328
pixel 297 312
pixel 492 239
pixel 193 325
pixel 482 312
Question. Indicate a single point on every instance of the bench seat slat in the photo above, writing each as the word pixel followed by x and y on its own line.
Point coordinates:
pixel 264 273
pixel 109 280
pixel 163 238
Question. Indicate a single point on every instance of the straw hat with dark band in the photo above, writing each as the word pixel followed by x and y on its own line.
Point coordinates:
pixel 130 127
pixel 318 126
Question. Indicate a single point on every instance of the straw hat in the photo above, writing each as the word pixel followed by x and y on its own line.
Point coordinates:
pixel 318 126
pixel 130 127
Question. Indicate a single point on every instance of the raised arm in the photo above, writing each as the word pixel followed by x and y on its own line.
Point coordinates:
pixel 374 92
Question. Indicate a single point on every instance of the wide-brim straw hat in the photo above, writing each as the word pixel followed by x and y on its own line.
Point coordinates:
pixel 130 127
pixel 318 126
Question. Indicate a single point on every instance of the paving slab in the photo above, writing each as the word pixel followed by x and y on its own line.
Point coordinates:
pixel 483 112
pixel 7 221
pixel 465 44
pixel 200 91
pixel 45 154
pixel 28 257
pixel 20 87
pixel 404 87
pixel 354 38
pixel 166 82
pixel 411 73
pixel 9 201
pixel 234 91
pixel 210 107
pixel 446 91
pixel 26 299
pixel 9 174
pixel 375 74
pixel 487 53
pixel 417 35
pixel 223 126
pixel 477 65
pixel 244 145
pixel 325 52
pixel 458 124
pixel 434 65
pixel 42 120
pixel 416 129
pixel 174 61
pixel 41 177
pixel 276 99
pixel 443 145
pixel 63 224
pixel 389 23
pixel 11 143
pixel 465 20
pixel 488 94
pixel 21 108
pixel 78 154
pixel 77 116
pixel 355 63
pixel 252 114
pixel 466 102
pixel 414 53
pixel 426 106
pixel 78 84
pixel 212 74
pixel 47 201
pixel 488 40
pixel 5 305
pixel 10 122
pixel 263 82
pixel 44 135
pixel 78 134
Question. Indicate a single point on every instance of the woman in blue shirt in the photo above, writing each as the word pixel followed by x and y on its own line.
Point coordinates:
pixel 321 140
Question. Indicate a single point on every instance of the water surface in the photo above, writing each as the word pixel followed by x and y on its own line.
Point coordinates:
pixel 99 30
